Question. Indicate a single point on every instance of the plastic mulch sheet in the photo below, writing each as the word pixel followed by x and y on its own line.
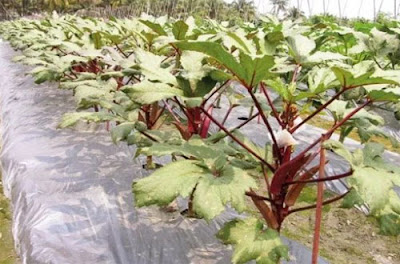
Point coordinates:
pixel 71 189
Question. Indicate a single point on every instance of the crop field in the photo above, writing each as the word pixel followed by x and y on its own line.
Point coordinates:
pixel 221 114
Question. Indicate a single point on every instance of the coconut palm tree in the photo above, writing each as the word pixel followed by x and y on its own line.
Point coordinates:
pixel 279 5
pixel 245 8
pixel 294 13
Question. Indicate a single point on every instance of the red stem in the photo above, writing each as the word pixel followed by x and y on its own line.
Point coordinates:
pixel 148 136
pixel 129 80
pixel 73 73
pixel 227 115
pixel 274 111
pixel 122 52
pixel 136 78
pixel 243 124
pixel 266 180
pixel 260 197
pixel 330 131
pixel 331 178
pixel 348 116
pixel 206 124
pixel 329 201
pixel 171 111
pixel 69 76
pixel 317 111
pixel 264 118
pixel 215 91
pixel 296 72
pixel 158 116
pixel 215 100
pixel 237 140
pixel 318 213
pixel 184 110
pixel 169 56
pixel 60 50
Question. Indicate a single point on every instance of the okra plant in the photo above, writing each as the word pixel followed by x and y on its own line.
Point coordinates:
pixel 175 88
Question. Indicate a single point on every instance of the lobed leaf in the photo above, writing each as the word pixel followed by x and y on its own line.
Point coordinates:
pixel 251 241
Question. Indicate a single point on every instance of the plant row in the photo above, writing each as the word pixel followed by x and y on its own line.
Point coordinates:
pixel 172 88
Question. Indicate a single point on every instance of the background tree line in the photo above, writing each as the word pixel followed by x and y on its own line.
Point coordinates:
pixel 237 11
pixel 217 9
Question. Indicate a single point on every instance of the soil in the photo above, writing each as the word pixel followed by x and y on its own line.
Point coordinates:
pixel 7 253
pixel 347 236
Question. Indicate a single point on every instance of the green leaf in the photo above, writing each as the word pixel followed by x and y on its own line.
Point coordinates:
pixel 181 176
pixel 91 93
pixel 321 79
pixel 382 95
pixel 366 123
pixel 195 147
pixel 157 28
pixel 373 181
pixel 211 193
pixel 97 40
pixel 373 156
pixel 269 42
pixel 192 64
pixel 122 131
pixel 366 128
pixel 381 43
pixel 179 29
pixel 280 87
pixel 111 74
pixel 252 241
pixel 360 74
pixel 70 85
pixel 70 119
pixel 147 92
pixel 216 51
pixel 352 199
pixel 320 57
pixel 45 76
pixel 239 40
pixel 204 86
pixel 373 186
pixel 193 102
pixel 140 126
pixel 214 192
pixel 256 69
pixel 116 39
pixel 162 137
pixel 220 76
pixel 389 219
pixel 220 184
pixel 150 66
pixel 300 47
pixel 339 149
pixel 390 224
